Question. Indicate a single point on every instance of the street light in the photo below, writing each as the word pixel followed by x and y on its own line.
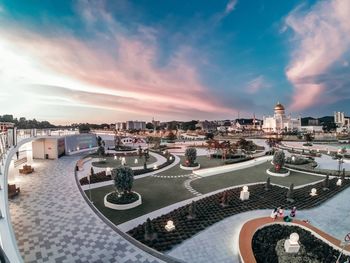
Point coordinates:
pixel 340 163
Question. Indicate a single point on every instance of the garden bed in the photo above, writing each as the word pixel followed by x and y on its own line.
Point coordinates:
pixel 127 201
pixel 210 211
pixel 312 249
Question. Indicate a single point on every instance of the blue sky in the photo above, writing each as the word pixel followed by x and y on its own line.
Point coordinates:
pixel 104 61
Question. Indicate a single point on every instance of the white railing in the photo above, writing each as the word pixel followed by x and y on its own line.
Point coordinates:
pixel 7 238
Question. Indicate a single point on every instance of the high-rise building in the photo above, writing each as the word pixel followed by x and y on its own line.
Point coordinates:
pixel 120 126
pixel 135 125
pixel 342 122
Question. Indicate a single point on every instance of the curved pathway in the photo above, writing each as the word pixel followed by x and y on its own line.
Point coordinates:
pixel 53 223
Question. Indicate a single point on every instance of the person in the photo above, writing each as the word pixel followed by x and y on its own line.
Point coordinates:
pixel 281 212
pixel 17 154
pixel 293 212
pixel 274 214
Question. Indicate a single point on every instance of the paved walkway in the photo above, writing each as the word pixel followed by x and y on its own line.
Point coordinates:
pixel 53 223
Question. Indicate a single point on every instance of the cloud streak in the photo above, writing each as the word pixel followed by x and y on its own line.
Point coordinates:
pixel 257 84
pixel 321 40
pixel 117 69
pixel 230 6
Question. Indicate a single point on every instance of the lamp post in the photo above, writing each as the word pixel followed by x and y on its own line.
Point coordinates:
pixel 88 177
pixel 340 163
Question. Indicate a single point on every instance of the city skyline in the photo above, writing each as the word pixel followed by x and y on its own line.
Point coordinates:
pixel 93 61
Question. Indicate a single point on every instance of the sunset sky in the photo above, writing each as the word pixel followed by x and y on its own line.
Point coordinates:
pixel 108 61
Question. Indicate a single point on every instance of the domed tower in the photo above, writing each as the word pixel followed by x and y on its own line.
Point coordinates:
pixel 279 110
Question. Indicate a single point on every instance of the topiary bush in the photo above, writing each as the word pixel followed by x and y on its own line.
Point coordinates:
pixel 278 160
pixel 191 156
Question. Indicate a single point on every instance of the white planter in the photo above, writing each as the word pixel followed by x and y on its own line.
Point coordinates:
pixel 122 207
pixel 190 168
pixel 277 174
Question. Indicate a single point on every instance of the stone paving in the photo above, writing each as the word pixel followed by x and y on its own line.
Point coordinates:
pixel 53 223
pixel 219 243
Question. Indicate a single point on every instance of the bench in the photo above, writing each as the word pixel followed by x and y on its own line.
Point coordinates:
pixel 13 190
pixel 27 169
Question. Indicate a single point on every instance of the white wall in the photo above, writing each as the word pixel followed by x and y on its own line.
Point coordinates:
pixel 38 148
pixel 51 148
pixel 45 146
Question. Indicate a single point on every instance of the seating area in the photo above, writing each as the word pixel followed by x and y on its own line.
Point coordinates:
pixel 26 169
pixel 13 190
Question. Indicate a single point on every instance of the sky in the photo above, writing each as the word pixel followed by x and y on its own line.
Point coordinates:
pixel 109 61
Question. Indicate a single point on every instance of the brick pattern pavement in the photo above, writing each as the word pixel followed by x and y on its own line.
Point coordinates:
pixel 53 223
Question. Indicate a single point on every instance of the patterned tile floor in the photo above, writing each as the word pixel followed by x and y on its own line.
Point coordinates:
pixel 53 223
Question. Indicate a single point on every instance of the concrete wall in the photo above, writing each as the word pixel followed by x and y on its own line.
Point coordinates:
pixel 51 148
pixel 38 149
pixel 42 147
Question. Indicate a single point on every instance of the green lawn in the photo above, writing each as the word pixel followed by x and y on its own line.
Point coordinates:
pixel 204 161
pixel 155 192
pixel 130 160
pixel 159 192
pixel 249 175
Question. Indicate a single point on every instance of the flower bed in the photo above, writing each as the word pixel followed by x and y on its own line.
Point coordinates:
pixel 282 172
pixel 123 202
pixel 312 249
pixel 114 198
pixel 210 211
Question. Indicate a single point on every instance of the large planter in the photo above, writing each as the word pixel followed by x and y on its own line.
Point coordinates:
pixel 122 206
pixel 190 168
pixel 268 171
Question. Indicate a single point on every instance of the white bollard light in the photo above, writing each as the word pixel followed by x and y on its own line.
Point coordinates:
pixel 313 192
pixel 170 226
pixel 244 195
pixel 339 182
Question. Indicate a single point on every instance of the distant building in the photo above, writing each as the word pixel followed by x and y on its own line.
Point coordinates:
pixel 156 124
pixel 135 125
pixel 280 122
pixel 247 124
pixel 342 122
pixel 312 129
pixel 120 126
pixel 4 126
pixel 313 122
pixel 206 125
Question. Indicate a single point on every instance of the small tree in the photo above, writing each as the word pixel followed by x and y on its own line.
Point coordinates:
pixel 268 184
pixel 290 193
pixel 192 211
pixel 123 177
pixel 150 234
pixel 191 156
pixel 101 151
pixel 224 199
pixel 326 183
pixel 171 136
pixel 308 138
pixel 343 175
pixel 140 152
pixel 92 171
pixel 278 160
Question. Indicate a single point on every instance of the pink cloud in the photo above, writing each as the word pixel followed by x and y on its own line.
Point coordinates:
pixel 321 38
pixel 230 6
pixel 127 67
